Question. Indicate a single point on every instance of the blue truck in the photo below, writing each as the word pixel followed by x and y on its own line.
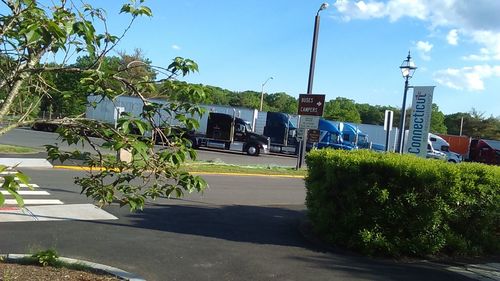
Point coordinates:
pixel 330 136
pixel 282 133
pixel 353 136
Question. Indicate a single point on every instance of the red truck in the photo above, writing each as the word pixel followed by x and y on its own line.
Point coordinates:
pixel 477 150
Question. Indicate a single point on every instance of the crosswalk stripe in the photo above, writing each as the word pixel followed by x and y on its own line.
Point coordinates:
pixel 1 178
pixel 27 192
pixel 27 185
pixel 35 202
pixel 8 173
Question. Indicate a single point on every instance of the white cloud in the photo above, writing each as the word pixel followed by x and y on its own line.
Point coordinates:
pixel 484 55
pixel 476 20
pixel 452 37
pixel 394 9
pixel 424 48
pixel 176 47
pixel 469 78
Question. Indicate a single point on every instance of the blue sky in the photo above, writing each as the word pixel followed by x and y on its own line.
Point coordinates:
pixel 239 44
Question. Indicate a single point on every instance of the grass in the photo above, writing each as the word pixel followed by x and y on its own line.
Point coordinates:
pixel 220 167
pixel 208 167
pixel 11 149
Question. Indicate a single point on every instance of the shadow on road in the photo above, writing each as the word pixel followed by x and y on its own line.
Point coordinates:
pixel 254 224
pixel 380 269
pixel 272 225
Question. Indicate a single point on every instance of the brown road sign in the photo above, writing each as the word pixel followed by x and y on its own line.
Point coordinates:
pixel 311 104
pixel 313 135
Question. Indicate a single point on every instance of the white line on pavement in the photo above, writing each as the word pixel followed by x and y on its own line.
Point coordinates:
pixel 35 202
pixel 27 192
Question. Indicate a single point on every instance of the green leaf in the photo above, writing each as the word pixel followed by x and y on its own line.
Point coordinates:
pixel 141 126
pixel 23 178
pixel 19 199
pixel 145 11
pixel 33 36
pixel 126 8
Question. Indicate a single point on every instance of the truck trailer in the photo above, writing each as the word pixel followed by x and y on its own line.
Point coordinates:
pixel 475 150
pixel 222 130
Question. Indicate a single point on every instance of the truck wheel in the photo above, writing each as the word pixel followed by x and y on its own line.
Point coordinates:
pixel 194 143
pixel 253 150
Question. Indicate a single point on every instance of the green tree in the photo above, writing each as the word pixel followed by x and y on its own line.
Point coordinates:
pixel 249 99
pixel 281 102
pixel 370 114
pixel 437 121
pixel 31 30
pixel 342 109
pixel 216 95
pixel 474 125
pixel 135 66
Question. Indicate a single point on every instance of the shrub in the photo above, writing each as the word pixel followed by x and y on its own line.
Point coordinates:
pixel 46 258
pixel 391 204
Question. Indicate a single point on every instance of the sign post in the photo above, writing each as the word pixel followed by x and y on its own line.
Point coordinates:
pixel 389 114
pixel 310 110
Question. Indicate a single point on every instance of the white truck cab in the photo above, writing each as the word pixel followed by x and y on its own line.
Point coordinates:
pixel 435 154
pixel 439 144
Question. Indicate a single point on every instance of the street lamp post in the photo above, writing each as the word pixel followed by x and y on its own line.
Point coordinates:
pixel 407 70
pixel 302 144
pixel 313 51
pixel 262 92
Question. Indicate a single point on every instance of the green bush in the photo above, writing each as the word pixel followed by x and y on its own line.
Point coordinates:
pixel 46 258
pixel 391 204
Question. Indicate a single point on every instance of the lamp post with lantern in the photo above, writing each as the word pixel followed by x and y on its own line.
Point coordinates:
pixel 407 70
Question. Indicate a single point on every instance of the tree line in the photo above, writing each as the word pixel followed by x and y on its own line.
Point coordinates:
pixel 66 97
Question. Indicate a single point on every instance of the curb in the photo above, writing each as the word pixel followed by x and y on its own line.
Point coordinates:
pixel 109 269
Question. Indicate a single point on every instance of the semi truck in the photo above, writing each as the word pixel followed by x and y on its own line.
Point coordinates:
pixel 220 126
pixel 227 132
pixel 330 136
pixel 281 131
pixel 476 150
pixel 440 144
pixel 354 136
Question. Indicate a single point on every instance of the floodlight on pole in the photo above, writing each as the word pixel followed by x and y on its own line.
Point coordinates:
pixel 314 46
pixel 262 92
pixel 302 151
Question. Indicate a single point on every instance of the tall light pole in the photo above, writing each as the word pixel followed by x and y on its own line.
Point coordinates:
pixel 313 51
pixel 407 69
pixel 302 149
pixel 262 92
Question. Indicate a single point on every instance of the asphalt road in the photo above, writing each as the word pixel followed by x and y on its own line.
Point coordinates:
pixel 242 228
pixel 37 139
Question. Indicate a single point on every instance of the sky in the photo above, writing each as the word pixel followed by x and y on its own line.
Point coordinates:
pixel 238 45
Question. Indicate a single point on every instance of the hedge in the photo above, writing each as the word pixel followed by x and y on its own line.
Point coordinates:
pixel 402 205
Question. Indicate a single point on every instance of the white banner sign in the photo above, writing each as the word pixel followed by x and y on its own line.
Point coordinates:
pixel 420 121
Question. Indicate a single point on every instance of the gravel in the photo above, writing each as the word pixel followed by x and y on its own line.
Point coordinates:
pixel 18 272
